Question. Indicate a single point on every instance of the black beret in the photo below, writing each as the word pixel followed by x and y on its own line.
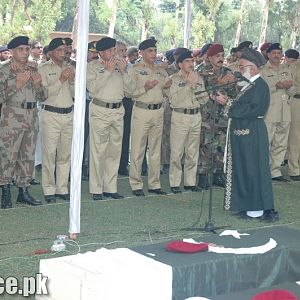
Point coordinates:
pixel 18 41
pixel 55 43
pixel 92 46
pixel 150 43
pixel 46 49
pixel 275 46
pixel 105 43
pixel 291 53
pixel 204 49
pixel 179 50
pixel 243 45
pixel 68 41
pixel 253 56
pixel 183 56
pixel 3 48
pixel 170 56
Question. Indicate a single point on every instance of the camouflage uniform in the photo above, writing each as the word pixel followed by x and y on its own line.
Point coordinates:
pixel 211 79
pixel 18 126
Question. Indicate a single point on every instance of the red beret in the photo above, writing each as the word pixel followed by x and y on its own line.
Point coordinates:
pixel 185 247
pixel 215 49
pixel 265 46
pixel 275 295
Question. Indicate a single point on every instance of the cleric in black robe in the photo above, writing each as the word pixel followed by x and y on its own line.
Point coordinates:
pixel 248 187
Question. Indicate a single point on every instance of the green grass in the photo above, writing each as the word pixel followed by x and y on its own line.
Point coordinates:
pixel 121 223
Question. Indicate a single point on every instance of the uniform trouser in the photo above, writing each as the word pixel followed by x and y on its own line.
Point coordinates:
pixel 145 125
pixel 278 138
pixel 185 138
pixel 165 144
pixel 85 160
pixel 106 131
pixel 294 140
pixel 56 131
pixel 18 132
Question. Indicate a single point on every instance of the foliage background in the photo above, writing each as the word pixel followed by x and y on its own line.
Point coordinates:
pixel 211 20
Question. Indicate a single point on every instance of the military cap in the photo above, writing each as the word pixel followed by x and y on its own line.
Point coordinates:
pixel 68 41
pixel 233 50
pixel 253 56
pixel 92 46
pixel 55 43
pixel 132 50
pixel 3 48
pixel 170 56
pixel 149 43
pixel 275 46
pixel 205 48
pixel 215 49
pixel 184 55
pixel 105 43
pixel 265 46
pixel 275 295
pixel 244 44
pixel 179 50
pixel 18 41
pixel 46 49
pixel 186 247
pixel 291 53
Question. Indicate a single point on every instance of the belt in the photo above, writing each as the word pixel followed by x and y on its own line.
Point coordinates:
pixel 148 106
pixel 59 110
pixel 24 105
pixel 187 111
pixel 107 104
pixel 297 96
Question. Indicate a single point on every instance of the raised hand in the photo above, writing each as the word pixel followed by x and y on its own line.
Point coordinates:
pixel 22 78
pixel 150 84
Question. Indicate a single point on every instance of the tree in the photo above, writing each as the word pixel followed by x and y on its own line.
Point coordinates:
pixel 239 27
pixel 264 23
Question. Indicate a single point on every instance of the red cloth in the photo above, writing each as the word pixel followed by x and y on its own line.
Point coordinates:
pixel 215 49
pixel 265 46
pixel 184 247
pixel 275 295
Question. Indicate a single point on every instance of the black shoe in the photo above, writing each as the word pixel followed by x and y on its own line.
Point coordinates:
pixel 176 189
pixel 192 188
pixel 24 197
pixel 65 197
pixel 219 179
pixel 123 172
pixel 295 178
pixel 6 197
pixel 38 167
pixel 138 193
pixel 50 198
pixel 280 179
pixel 270 215
pixel 157 191
pixel 97 197
pixel 203 181
pixel 34 182
pixel 113 195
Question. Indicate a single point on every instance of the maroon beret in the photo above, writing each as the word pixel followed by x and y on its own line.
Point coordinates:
pixel 265 46
pixel 185 247
pixel 275 295
pixel 215 49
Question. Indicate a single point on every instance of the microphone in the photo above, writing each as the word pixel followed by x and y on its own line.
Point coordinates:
pixel 240 77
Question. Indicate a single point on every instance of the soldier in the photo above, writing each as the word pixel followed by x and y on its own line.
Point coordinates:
pixel 147 118
pixel 185 95
pixel 132 55
pixel 291 56
pixel 263 49
pixel 36 51
pixel 214 74
pixel 4 54
pixel 56 122
pixel 106 82
pixel 294 133
pixel 278 118
pixel 20 88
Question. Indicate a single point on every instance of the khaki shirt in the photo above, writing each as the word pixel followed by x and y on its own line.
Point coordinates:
pixel 139 74
pixel 295 68
pixel 279 109
pixel 172 69
pixel 8 89
pixel 105 85
pixel 58 94
pixel 182 95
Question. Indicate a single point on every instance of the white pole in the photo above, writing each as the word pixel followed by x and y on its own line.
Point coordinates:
pixel 187 23
pixel 79 113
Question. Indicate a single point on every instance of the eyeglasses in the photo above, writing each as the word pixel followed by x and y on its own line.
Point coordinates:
pixel 242 67
pixel 38 47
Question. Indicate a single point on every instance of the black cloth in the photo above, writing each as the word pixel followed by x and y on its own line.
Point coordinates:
pixel 248 179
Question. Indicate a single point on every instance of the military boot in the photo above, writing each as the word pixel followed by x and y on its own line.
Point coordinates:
pixel 203 181
pixel 24 197
pixel 6 197
pixel 219 179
